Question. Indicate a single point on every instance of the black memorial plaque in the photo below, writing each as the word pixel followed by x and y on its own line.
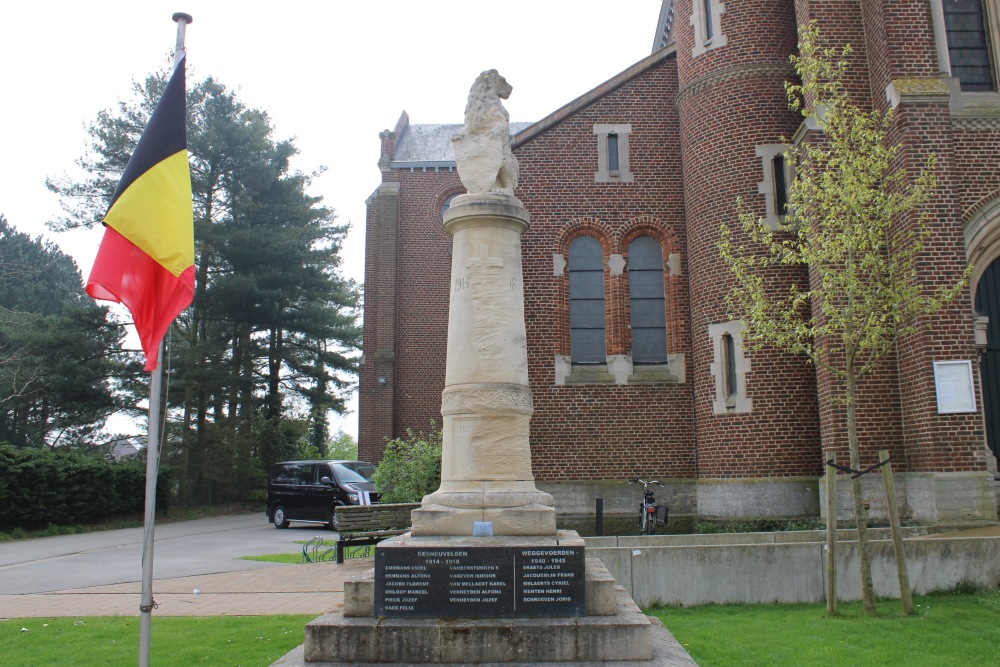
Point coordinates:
pixel 479 582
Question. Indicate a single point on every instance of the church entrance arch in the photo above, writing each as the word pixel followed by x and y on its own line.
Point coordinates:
pixel 982 243
pixel 988 305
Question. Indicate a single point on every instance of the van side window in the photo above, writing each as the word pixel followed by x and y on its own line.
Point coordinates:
pixel 285 474
pixel 310 475
pixel 301 474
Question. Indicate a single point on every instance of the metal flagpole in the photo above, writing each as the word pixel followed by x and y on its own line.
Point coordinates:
pixel 153 450
pixel 152 467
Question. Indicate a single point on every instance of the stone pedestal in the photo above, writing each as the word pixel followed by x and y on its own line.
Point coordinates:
pixel 609 627
pixel 486 404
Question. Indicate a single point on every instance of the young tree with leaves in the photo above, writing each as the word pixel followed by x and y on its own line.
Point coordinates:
pixel 846 199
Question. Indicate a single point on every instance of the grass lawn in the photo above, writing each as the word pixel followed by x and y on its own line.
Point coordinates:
pixel 288 558
pixel 358 551
pixel 276 558
pixel 108 641
pixel 948 629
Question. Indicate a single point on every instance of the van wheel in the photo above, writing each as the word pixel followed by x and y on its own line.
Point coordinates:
pixel 332 525
pixel 278 516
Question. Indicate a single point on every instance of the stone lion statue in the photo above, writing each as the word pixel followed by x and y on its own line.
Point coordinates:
pixel 482 147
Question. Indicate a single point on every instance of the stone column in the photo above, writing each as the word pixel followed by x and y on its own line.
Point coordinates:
pixel 486 403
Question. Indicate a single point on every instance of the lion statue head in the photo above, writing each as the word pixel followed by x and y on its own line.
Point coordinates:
pixel 484 109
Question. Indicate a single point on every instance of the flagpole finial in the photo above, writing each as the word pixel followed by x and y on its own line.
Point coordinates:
pixel 182 20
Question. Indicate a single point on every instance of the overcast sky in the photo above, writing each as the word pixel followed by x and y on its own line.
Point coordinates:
pixel 330 74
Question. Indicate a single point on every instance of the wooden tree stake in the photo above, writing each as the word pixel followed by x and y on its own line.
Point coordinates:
pixel 831 537
pixel 897 539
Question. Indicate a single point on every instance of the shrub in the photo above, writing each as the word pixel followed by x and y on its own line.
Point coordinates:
pixel 59 486
pixel 411 467
pixel 759 526
pixel 342 447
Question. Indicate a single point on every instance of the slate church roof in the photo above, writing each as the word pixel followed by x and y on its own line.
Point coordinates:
pixel 429 145
pixel 663 25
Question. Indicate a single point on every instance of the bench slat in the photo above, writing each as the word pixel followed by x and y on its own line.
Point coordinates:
pixel 371 523
pixel 374 533
pixel 355 518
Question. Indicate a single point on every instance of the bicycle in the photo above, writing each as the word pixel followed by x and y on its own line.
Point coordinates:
pixel 651 513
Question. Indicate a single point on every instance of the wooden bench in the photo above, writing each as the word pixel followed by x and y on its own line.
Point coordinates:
pixel 370 524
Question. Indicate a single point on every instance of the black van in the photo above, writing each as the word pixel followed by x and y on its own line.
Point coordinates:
pixel 307 491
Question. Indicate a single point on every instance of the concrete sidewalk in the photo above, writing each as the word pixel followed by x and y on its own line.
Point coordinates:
pixel 311 588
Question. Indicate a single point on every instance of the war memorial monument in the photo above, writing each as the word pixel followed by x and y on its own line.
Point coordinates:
pixel 484 576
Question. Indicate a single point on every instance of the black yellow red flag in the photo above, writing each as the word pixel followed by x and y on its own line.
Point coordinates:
pixel 146 259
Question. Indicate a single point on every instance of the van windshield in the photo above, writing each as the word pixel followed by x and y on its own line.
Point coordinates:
pixel 354 471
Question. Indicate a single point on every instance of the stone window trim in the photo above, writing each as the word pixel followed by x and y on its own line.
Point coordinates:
pixel 962 103
pixel 768 154
pixel 620 371
pixel 725 403
pixel 982 240
pixel 604 173
pixel 707 36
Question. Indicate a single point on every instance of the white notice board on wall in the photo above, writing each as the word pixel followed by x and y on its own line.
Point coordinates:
pixel 953 383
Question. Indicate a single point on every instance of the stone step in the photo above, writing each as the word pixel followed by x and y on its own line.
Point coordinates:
pixel 600 589
pixel 667 652
pixel 626 635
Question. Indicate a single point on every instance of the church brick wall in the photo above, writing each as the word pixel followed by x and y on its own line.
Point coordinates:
pixel 606 431
pixel 722 124
pixel 421 256
pixel 923 128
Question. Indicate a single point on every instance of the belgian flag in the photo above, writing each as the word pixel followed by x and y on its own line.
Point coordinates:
pixel 146 259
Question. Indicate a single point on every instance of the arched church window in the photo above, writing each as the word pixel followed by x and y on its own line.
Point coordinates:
pixel 648 307
pixel 586 301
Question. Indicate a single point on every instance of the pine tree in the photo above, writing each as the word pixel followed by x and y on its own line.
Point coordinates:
pixel 273 324
pixel 57 348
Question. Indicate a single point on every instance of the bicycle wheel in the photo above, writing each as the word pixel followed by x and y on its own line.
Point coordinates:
pixel 645 523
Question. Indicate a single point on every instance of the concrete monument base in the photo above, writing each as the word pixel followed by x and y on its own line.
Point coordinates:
pixel 667 652
pixel 342 640
pixel 613 629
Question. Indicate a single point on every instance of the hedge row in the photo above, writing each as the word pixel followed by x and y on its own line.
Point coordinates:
pixel 63 487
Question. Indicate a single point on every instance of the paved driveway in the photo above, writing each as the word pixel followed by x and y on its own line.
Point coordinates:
pixel 187 548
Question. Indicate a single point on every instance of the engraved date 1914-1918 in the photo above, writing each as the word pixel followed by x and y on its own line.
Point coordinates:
pixel 462 284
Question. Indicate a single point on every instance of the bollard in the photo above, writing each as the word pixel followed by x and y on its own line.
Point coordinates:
pixel 600 517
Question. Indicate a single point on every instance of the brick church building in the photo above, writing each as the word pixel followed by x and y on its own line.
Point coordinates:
pixel 635 364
